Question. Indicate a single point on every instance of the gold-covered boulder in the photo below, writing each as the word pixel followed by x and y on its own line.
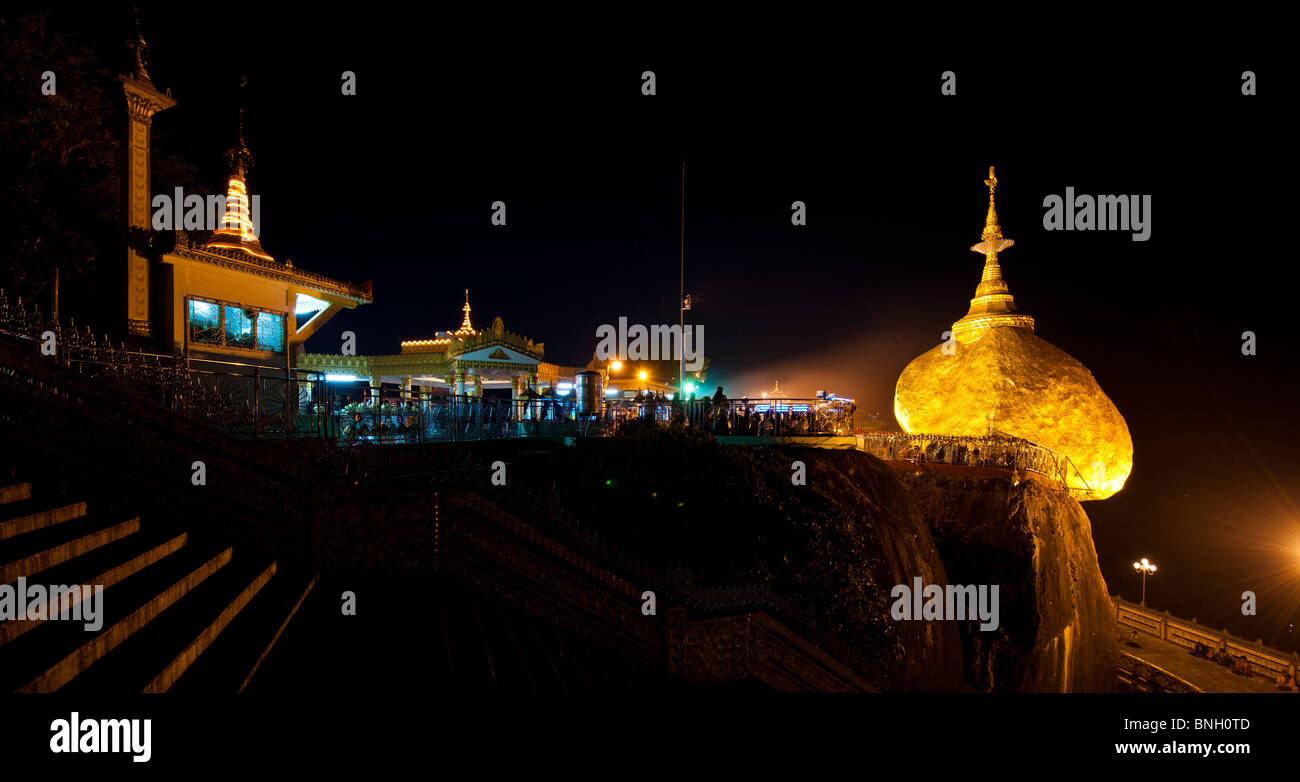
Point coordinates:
pixel 995 376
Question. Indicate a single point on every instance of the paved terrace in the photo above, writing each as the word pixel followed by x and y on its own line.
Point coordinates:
pixel 1164 642
pixel 1197 671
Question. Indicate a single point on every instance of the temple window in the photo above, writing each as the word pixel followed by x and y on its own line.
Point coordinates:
pixel 235 326
pixel 205 322
pixel 270 331
pixel 238 327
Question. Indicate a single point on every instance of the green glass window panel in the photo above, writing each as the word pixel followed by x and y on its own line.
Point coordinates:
pixel 238 328
pixel 205 322
pixel 270 331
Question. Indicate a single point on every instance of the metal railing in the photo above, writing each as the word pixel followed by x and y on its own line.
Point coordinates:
pixel 1002 452
pixel 246 399
pixel 1267 664
pixel 93 426
pixel 426 417
pixel 735 417
pixel 1140 675
pixel 263 401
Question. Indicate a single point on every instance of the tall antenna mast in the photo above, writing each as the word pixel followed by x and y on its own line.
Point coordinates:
pixel 681 298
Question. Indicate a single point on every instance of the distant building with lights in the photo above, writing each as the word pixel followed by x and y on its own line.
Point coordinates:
pixel 227 299
pixel 464 361
pixel 625 379
pixel 775 393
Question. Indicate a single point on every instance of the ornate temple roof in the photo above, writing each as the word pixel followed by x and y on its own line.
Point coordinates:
pixel 284 271
pixel 443 338
pixel 775 393
pixel 235 245
pixel 467 339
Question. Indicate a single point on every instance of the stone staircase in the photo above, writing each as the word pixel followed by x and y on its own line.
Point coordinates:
pixel 179 610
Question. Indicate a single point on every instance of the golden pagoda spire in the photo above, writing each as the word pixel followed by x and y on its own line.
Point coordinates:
pixel 465 327
pixel 236 231
pixel 993 304
pixel 991 228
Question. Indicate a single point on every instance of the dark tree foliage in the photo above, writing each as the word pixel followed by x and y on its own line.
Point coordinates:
pixel 59 159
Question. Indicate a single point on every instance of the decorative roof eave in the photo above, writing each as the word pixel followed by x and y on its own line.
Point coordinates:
pixel 558 369
pixel 412 363
pixel 239 261
pixel 532 351
pixel 498 335
pixel 455 344
pixel 426 346
pixel 476 364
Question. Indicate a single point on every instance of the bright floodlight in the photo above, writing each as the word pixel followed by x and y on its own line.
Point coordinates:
pixel 306 304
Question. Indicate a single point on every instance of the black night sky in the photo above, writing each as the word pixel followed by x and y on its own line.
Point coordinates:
pixel 395 185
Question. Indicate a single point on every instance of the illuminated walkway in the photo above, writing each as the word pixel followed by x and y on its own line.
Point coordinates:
pixel 1201 673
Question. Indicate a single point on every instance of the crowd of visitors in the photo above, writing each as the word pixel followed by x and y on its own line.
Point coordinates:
pixel 1241 666
pixel 719 415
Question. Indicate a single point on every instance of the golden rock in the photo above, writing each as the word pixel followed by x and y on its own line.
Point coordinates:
pixel 996 377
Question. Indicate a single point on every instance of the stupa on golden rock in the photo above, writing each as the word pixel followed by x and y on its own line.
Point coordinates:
pixel 996 377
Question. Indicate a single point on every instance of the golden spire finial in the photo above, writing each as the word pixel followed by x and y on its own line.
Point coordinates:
pixel 237 231
pixel 993 304
pixel 239 157
pixel 991 228
pixel 465 327
pixel 140 49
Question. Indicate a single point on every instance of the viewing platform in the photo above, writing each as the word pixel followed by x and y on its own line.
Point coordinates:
pixel 1159 652
pixel 265 402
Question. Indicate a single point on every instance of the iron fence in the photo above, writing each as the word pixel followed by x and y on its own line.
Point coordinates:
pixel 261 401
pixel 736 418
pixel 246 399
pixel 427 417
pixel 1003 452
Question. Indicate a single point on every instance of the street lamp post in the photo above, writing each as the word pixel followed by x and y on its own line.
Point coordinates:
pixel 1144 567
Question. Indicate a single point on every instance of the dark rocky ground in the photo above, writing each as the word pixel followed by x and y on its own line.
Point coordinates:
pixel 698 516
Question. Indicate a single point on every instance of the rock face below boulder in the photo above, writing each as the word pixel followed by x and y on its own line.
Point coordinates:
pixel 1057 628
pixel 725 529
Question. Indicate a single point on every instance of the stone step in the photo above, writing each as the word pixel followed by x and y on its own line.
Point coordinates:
pixel 202 643
pixel 105 566
pixel 151 659
pixel 15 492
pixel 62 552
pixel 27 516
pixel 48 657
pixel 231 663
pixel 48 543
pixel 51 538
